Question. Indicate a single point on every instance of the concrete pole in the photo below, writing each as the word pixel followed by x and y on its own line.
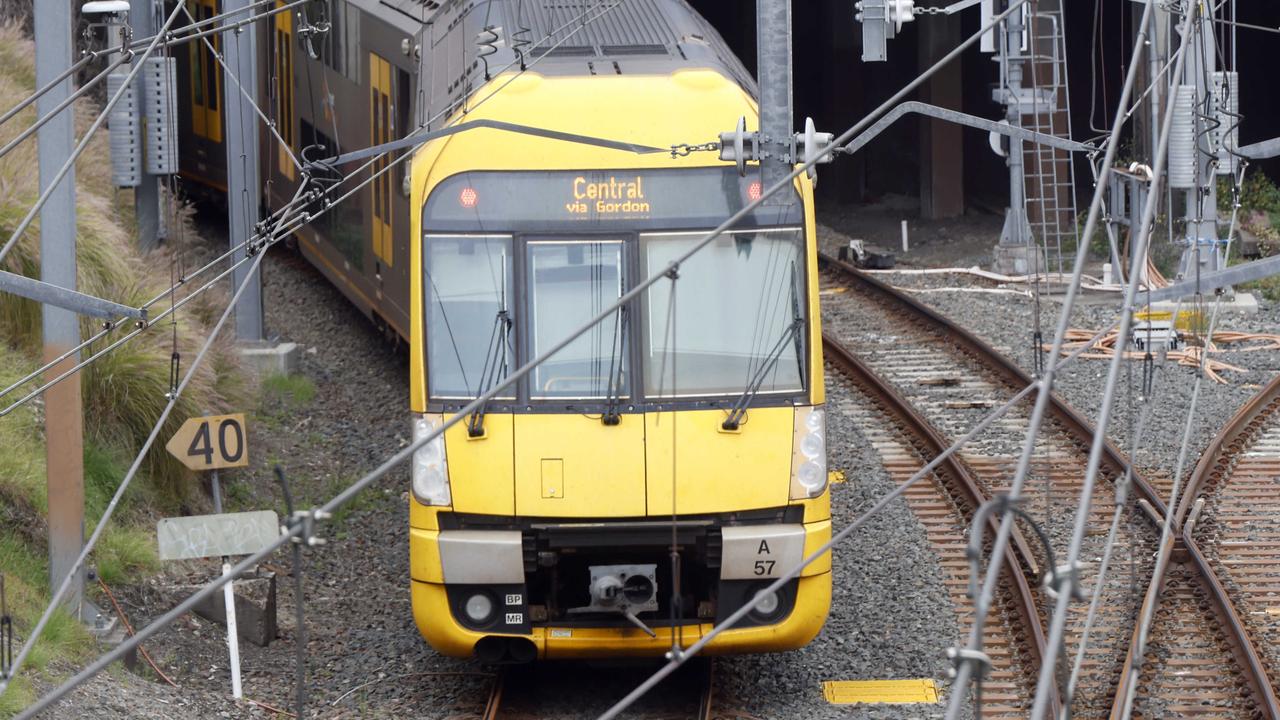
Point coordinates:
pixel 146 197
pixel 64 428
pixel 773 70
pixel 240 130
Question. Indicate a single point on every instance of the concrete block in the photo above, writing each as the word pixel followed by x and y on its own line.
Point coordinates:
pixel 1243 303
pixel 1018 260
pixel 255 599
pixel 276 359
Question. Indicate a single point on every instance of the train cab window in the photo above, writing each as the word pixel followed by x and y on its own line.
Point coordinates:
pixel 569 282
pixel 470 336
pixel 739 314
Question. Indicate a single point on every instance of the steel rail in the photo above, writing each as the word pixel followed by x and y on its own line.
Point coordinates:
pixel 1215 462
pixel 1064 413
pixel 966 669
pixel 88 137
pixel 953 474
pixel 406 452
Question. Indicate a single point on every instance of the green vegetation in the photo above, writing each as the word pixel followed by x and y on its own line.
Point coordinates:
pixel 287 393
pixel 123 392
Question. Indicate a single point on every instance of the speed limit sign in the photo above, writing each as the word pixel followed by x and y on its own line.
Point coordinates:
pixel 212 442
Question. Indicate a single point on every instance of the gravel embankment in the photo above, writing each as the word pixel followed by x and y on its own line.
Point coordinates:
pixel 890 614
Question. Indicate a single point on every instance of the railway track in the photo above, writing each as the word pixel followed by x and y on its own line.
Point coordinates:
pixel 530 692
pixel 953 379
pixel 945 503
pixel 1227 566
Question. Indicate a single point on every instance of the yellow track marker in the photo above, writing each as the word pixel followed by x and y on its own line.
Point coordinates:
pixel 849 692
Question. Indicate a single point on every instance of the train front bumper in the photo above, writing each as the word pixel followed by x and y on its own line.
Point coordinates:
pixel 521 618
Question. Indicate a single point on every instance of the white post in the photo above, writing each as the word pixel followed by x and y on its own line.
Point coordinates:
pixel 229 600
pixel 233 642
pixel 904 237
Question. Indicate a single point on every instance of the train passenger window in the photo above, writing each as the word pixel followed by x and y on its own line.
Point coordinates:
pixel 739 313
pixel 468 288
pixel 569 283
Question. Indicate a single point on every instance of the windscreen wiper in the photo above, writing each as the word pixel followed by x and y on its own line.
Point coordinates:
pixel 617 355
pixel 738 410
pixel 495 368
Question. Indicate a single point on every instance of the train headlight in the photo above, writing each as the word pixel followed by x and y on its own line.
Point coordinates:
pixel 430 469
pixel 809 459
pixel 479 608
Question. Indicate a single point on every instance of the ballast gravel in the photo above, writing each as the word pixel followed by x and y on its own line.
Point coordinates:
pixel 890 617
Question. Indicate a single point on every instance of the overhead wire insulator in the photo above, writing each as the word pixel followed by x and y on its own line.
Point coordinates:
pixel 810 145
pixel 740 146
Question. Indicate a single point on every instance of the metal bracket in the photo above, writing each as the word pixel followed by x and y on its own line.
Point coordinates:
pixel 306 522
pixel 77 302
pixel 962 656
pixel 1054 578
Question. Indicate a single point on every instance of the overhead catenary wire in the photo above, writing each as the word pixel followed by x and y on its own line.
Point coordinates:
pixel 966 670
pixel 257 260
pixel 56 599
pixel 257 109
pixel 292 224
pixel 402 455
pixel 1162 553
pixel 66 102
pixel 88 136
pixel 1057 629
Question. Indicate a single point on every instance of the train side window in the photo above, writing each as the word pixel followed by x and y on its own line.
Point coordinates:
pixel 351 25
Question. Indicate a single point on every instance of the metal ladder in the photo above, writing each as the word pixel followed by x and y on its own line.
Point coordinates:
pixel 1049 175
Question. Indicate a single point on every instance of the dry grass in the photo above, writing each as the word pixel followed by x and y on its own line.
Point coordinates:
pixel 124 391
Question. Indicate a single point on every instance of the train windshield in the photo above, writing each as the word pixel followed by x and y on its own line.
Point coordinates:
pixel 469 311
pixel 570 282
pixel 736 316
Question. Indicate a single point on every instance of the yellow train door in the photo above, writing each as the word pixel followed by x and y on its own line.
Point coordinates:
pixel 283 71
pixel 380 125
pixel 206 77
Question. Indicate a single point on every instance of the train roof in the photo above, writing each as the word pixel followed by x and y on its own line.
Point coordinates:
pixel 555 37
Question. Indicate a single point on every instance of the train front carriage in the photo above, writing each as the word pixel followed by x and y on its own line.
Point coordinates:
pixel 544 524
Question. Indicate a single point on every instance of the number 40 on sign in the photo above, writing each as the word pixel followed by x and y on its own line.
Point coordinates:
pixel 212 442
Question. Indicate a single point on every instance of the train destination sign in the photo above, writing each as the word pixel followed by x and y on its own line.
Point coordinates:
pixel 212 442
pixel 611 200
pixel 608 197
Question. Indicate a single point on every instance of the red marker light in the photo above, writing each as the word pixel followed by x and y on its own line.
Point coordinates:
pixel 468 197
pixel 754 191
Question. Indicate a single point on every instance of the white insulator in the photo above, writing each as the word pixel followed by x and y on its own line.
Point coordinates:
pixel 1182 140
pixel 122 133
pixel 160 87
pixel 1226 101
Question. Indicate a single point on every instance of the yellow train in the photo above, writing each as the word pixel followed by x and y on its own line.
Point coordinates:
pixel 608 502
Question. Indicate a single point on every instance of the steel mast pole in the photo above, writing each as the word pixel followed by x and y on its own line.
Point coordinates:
pixel 64 423
pixel 146 196
pixel 241 133
pixel 773 71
